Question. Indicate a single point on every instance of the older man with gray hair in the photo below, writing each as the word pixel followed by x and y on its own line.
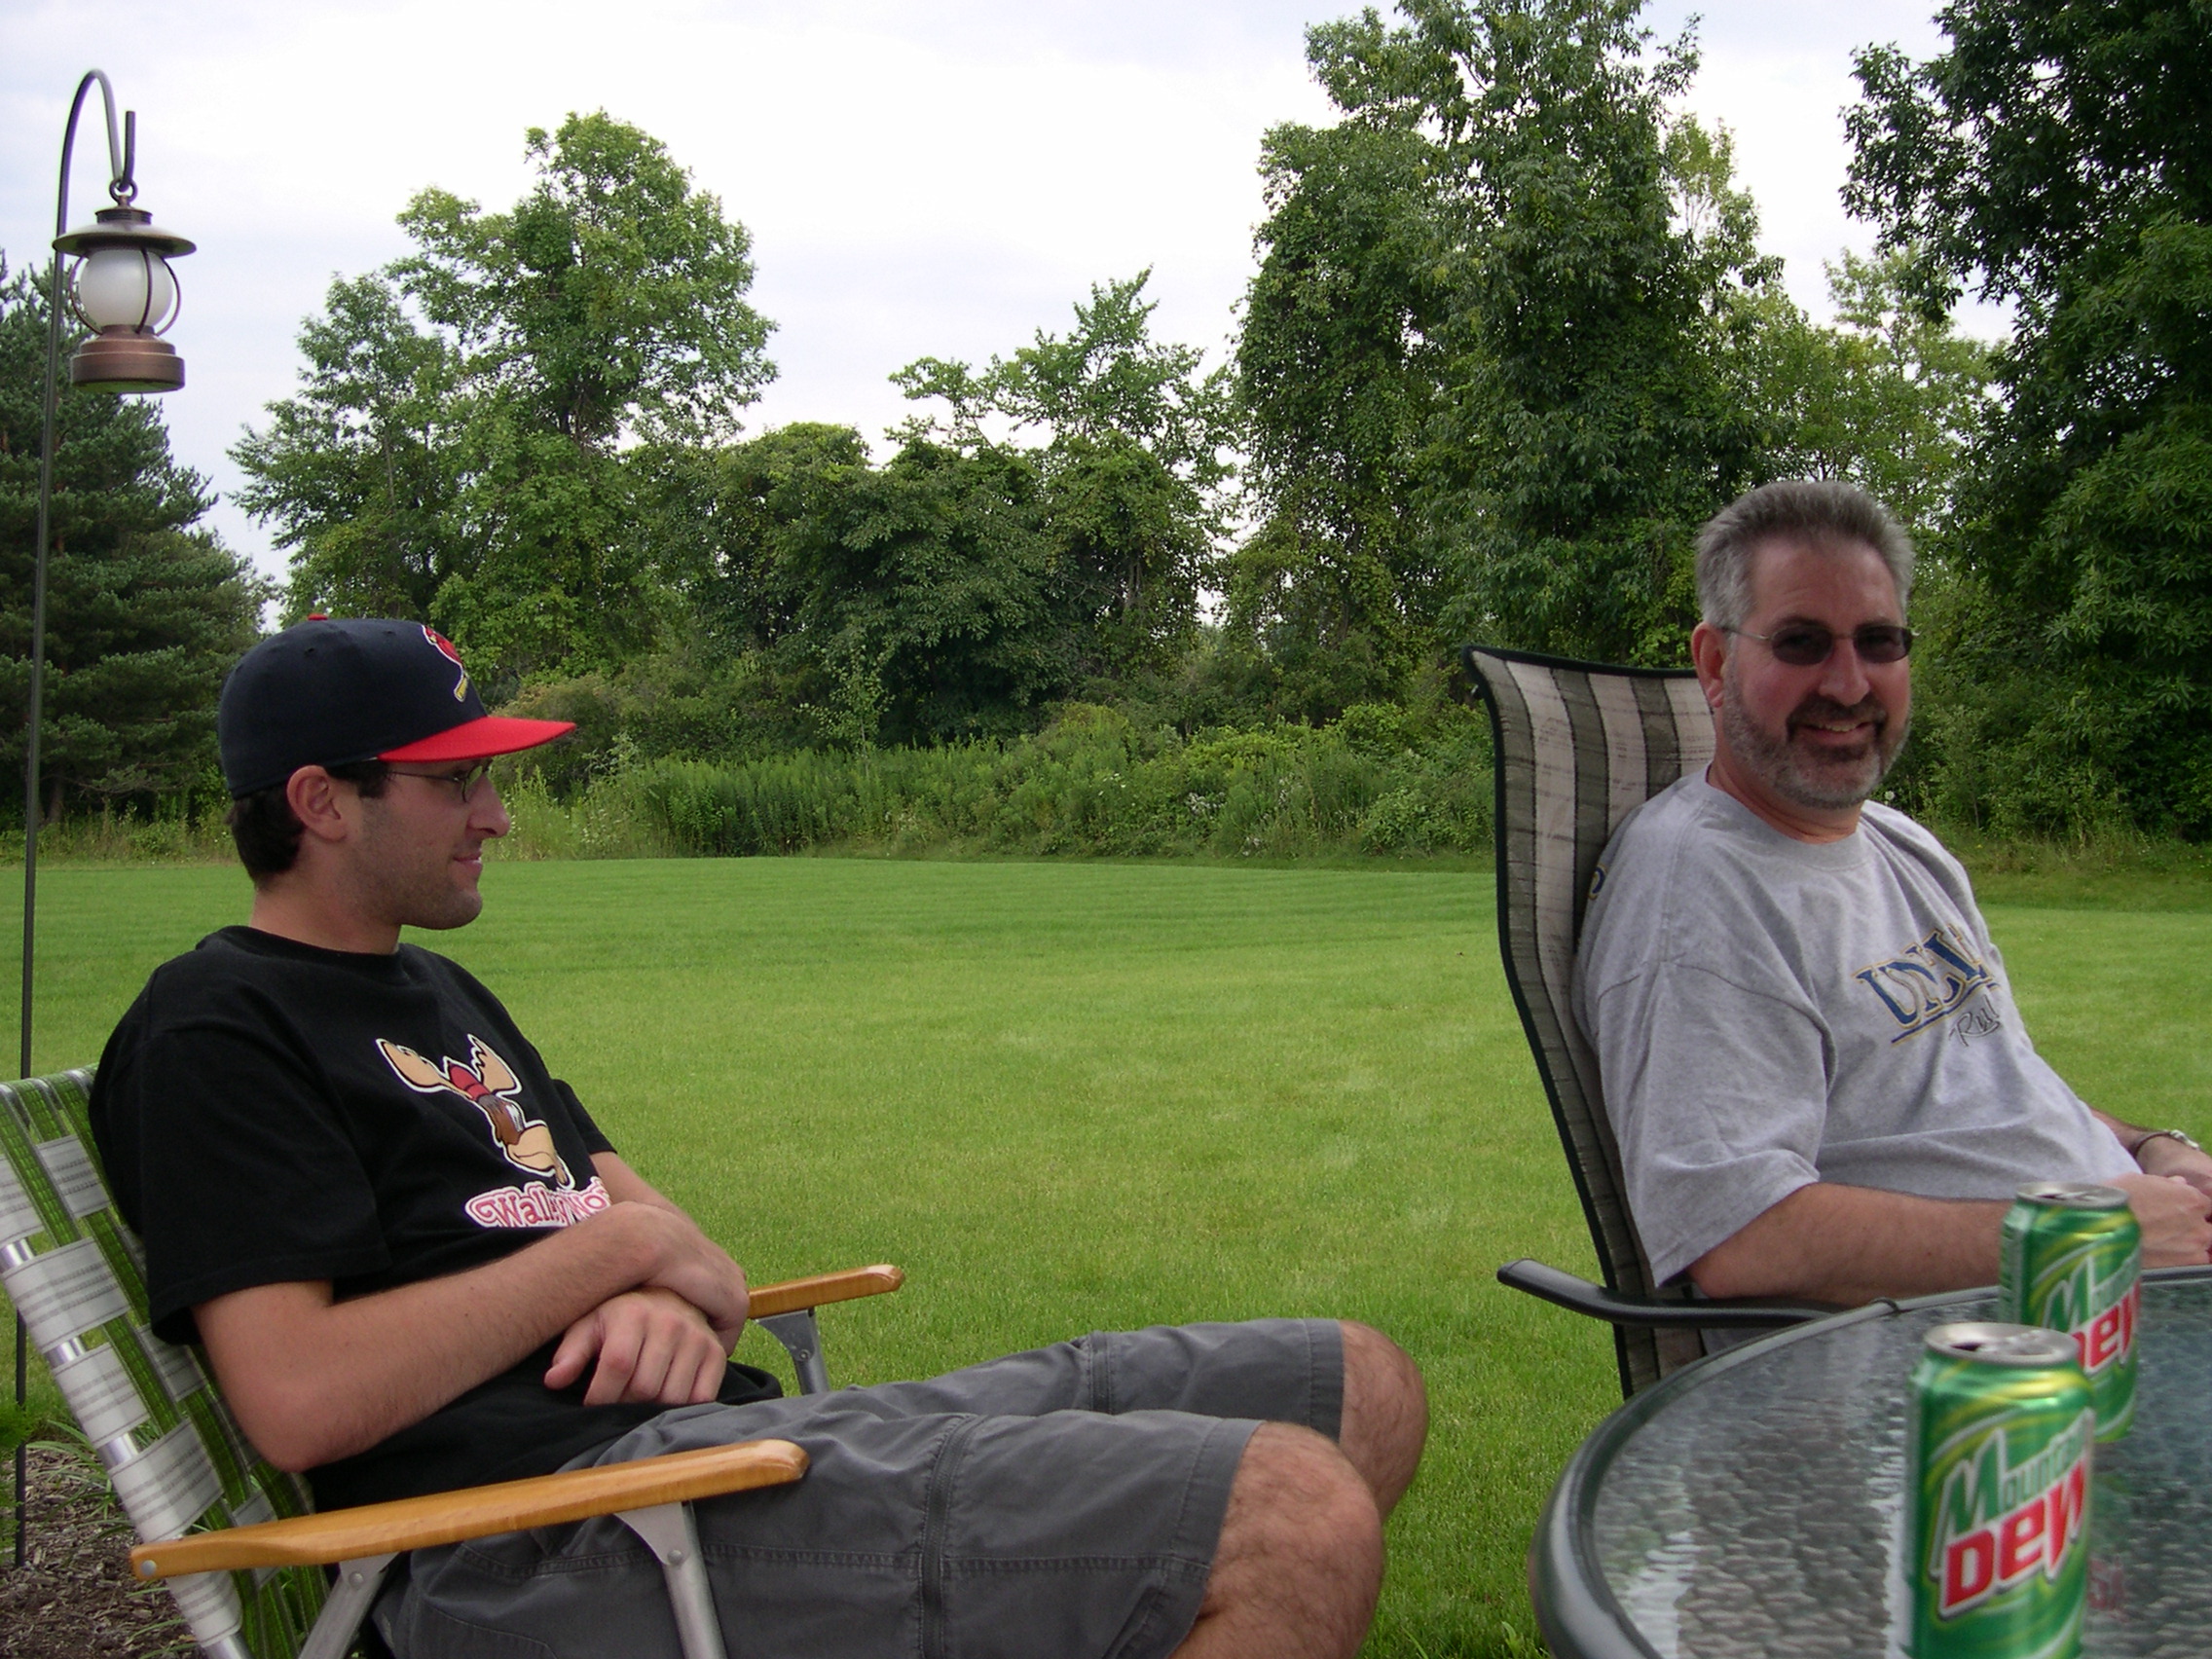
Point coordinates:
pixel 1812 1059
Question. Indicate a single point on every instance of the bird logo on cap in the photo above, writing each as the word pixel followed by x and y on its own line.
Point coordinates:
pixel 448 650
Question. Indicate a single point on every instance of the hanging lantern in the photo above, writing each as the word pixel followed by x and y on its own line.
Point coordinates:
pixel 122 289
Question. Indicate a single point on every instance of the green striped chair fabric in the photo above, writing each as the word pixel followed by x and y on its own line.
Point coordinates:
pixel 1579 746
pixel 178 1461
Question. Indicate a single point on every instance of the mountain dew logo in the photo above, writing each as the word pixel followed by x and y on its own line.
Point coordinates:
pixel 2003 1530
pixel 2099 1315
pixel 2076 1270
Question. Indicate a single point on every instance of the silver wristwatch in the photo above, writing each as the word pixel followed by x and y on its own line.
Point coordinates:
pixel 2180 1135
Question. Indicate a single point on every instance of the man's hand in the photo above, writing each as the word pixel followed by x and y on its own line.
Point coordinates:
pixel 2163 1155
pixel 696 1268
pixel 693 1266
pixel 2175 1217
pixel 651 1347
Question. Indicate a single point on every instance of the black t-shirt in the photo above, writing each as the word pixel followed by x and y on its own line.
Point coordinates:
pixel 272 1112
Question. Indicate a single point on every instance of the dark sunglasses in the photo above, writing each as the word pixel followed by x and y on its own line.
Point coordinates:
pixel 1807 644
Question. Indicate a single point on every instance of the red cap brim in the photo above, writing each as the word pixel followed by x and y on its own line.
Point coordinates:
pixel 481 739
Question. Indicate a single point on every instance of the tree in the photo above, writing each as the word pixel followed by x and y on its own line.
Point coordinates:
pixel 1889 399
pixel 610 298
pixel 146 614
pixel 1338 369
pixel 926 598
pixel 2058 155
pixel 1536 387
pixel 1045 528
pixel 914 603
pixel 1130 471
pixel 756 504
pixel 1596 422
pixel 472 441
pixel 361 470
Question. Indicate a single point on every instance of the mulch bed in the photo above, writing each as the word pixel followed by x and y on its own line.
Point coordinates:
pixel 73 1596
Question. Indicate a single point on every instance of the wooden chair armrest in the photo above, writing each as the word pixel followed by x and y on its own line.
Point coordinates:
pixel 475 1512
pixel 788 1297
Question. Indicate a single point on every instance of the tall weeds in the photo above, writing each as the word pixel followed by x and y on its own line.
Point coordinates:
pixel 1380 781
pixel 120 838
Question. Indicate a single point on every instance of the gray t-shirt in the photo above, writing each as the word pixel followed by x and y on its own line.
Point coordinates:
pixel 1767 1013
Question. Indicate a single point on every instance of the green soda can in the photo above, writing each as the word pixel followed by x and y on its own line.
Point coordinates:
pixel 2070 1259
pixel 2002 1435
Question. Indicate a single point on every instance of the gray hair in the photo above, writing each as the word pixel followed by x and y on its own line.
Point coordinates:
pixel 1820 512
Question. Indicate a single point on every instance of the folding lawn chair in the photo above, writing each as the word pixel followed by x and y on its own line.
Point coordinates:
pixel 1579 747
pixel 234 1537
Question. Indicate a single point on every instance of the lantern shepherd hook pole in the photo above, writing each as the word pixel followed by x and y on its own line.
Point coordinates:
pixel 122 288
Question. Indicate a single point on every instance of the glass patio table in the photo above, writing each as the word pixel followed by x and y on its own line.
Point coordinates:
pixel 1752 1504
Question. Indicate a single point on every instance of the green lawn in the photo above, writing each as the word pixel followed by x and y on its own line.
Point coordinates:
pixel 1068 1095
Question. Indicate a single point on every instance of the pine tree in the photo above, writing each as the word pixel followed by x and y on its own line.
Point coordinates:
pixel 145 613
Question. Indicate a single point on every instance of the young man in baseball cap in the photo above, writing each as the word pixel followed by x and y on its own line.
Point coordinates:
pixel 415 1263
pixel 315 727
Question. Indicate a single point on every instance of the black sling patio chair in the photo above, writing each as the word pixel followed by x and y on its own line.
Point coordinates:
pixel 1579 747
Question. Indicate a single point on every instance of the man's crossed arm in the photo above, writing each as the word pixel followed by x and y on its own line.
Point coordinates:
pixel 1848 1245
pixel 637 1288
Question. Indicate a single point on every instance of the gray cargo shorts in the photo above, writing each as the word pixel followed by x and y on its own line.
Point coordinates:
pixel 1055 1504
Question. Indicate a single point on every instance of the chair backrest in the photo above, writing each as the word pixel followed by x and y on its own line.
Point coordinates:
pixel 1579 747
pixel 178 1463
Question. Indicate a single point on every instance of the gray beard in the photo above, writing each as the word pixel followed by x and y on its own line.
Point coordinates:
pixel 1784 769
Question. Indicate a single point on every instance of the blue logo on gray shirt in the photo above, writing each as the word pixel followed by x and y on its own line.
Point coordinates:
pixel 1929 982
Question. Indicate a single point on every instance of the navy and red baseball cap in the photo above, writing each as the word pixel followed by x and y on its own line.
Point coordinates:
pixel 329 693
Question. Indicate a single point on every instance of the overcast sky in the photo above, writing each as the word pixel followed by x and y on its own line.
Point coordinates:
pixel 940 178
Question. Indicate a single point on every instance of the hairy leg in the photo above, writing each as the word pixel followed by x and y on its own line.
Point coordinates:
pixel 1386 1413
pixel 1299 1560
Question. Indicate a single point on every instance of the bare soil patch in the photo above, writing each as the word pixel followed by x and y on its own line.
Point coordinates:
pixel 73 1596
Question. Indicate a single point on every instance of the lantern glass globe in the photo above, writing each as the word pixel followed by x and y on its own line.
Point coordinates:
pixel 126 287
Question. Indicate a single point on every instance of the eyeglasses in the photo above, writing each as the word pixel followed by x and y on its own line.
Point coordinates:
pixel 1807 644
pixel 464 781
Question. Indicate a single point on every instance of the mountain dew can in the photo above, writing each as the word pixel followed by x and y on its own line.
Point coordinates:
pixel 2002 1435
pixel 2070 1259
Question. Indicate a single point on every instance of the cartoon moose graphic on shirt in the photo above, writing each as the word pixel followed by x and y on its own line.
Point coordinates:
pixel 487 1082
